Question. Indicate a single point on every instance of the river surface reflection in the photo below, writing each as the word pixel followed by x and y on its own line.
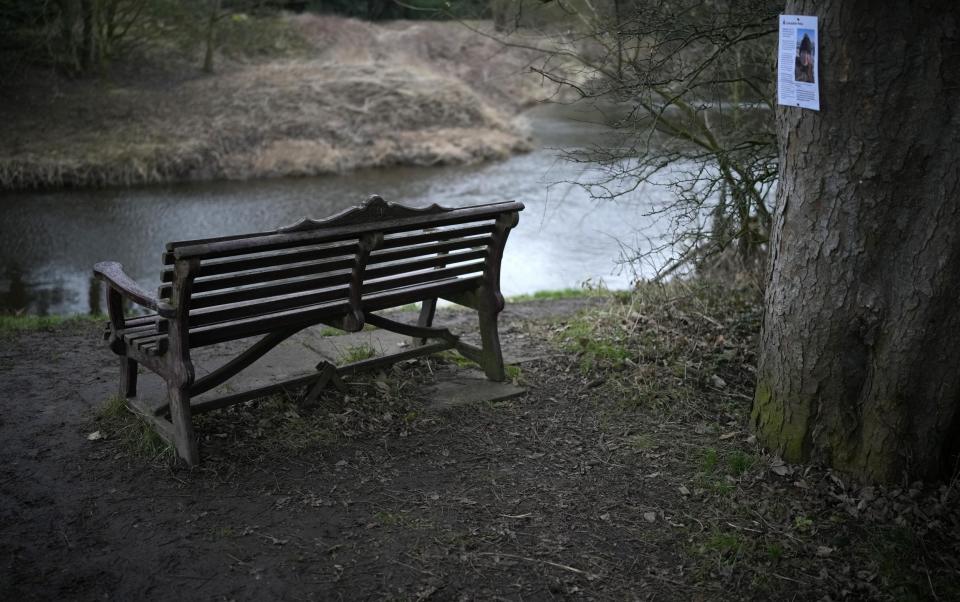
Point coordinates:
pixel 50 241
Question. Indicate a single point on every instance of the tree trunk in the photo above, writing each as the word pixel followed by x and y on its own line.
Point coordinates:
pixel 87 45
pixel 500 11
pixel 860 352
pixel 210 38
pixel 68 20
pixel 376 9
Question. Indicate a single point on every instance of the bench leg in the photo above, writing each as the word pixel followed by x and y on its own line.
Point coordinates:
pixel 491 359
pixel 428 310
pixel 180 416
pixel 128 377
pixel 328 374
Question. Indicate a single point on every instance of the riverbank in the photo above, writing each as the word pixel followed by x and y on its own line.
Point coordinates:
pixel 626 471
pixel 357 95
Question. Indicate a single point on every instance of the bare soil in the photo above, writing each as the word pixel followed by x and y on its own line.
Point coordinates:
pixel 626 472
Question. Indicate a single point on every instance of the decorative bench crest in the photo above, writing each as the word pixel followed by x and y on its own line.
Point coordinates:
pixel 373 209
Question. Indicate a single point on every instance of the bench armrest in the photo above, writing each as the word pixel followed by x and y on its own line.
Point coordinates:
pixel 112 273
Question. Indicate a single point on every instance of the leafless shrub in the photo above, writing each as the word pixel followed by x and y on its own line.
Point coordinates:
pixel 687 88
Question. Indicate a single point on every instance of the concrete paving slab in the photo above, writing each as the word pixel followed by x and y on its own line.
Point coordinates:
pixel 467 386
pixel 299 355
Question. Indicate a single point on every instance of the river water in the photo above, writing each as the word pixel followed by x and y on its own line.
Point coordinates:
pixel 50 241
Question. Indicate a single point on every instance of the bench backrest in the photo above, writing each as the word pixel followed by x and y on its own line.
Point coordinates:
pixel 373 256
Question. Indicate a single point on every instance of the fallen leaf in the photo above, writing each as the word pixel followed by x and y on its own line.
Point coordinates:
pixel 718 382
pixel 95 436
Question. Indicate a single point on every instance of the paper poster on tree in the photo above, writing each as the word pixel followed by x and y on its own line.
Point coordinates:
pixel 798 75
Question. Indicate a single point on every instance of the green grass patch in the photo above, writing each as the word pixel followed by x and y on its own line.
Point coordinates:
pixel 740 462
pixel 598 348
pixel 114 408
pixel 386 518
pixel 903 561
pixel 407 307
pixel 641 442
pixel 222 532
pixel 357 353
pixel 329 331
pixel 278 423
pixel 458 360
pixel 708 462
pixel 774 552
pixel 804 524
pixel 724 543
pixel 563 293
pixel 118 422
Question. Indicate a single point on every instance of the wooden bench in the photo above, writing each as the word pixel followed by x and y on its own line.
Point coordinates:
pixel 337 272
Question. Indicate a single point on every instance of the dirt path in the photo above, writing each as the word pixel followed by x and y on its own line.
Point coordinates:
pixel 627 471
pixel 473 502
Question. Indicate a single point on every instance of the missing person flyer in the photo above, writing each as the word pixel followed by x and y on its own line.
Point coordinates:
pixel 798 77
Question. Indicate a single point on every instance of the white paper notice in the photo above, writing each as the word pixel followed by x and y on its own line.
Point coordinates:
pixel 798 77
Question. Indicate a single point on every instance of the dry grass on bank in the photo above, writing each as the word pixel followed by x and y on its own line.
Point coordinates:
pixel 361 96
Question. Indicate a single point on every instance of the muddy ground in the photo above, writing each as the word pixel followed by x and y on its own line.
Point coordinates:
pixel 616 476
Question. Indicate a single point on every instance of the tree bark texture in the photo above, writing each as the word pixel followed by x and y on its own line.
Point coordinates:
pixel 860 351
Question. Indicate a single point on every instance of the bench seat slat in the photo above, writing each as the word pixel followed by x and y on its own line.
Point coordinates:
pixel 134 338
pixel 132 332
pixel 141 320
